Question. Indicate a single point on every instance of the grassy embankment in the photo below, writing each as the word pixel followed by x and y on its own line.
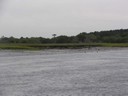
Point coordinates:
pixel 59 46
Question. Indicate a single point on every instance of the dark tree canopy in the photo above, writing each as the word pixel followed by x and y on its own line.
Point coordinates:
pixel 111 36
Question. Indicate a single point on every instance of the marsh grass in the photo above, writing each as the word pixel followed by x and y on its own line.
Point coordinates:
pixel 59 46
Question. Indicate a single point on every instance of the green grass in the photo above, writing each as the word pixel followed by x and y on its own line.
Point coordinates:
pixel 15 47
pixel 59 46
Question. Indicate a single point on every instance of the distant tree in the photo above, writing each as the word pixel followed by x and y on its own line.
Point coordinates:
pixel 54 38
pixel 62 39
pixel 110 36
pixel 12 40
pixel 73 39
pixel 82 37
pixel 91 38
pixel 54 35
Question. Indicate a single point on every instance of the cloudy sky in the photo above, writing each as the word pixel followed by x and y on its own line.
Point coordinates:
pixel 63 17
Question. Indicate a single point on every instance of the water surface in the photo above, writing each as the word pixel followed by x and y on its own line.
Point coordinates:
pixel 79 72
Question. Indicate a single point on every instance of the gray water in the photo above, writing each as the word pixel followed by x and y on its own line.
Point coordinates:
pixel 79 72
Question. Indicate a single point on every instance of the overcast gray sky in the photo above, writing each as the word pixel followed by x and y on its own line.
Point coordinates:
pixel 64 17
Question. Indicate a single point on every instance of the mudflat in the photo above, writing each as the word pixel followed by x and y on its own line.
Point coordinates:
pixel 79 72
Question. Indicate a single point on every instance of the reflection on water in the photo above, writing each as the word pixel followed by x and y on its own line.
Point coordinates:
pixel 82 72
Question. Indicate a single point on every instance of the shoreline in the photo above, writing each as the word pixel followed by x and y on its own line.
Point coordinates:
pixel 61 46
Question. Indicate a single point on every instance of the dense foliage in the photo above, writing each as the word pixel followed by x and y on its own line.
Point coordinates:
pixel 111 36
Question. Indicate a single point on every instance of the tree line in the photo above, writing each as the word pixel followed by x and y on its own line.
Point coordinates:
pixel 111 36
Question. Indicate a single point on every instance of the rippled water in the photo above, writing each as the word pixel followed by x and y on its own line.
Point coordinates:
pixel 79 72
